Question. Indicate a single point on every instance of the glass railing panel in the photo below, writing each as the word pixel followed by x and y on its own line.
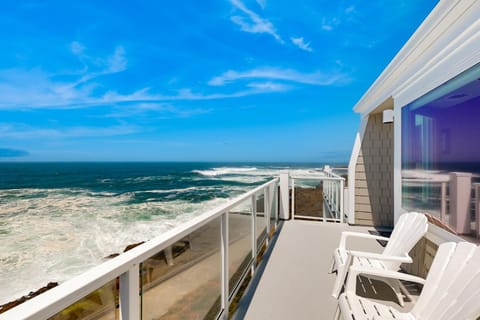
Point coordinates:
pixel 261 222
pixel 425 196
pixel 308 200
pixel 184 282
pixel 240 242
pixel 101 304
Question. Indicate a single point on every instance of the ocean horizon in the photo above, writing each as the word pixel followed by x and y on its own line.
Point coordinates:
pixel 58 219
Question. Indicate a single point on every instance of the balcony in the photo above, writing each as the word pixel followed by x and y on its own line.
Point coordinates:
pixel 240 260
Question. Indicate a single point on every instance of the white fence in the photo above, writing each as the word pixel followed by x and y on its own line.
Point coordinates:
pixel 240 229
pixel 126 269
pixel 332 194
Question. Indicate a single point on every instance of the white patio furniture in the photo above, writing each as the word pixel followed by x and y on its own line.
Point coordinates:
pixel 451 290
pixel 409 229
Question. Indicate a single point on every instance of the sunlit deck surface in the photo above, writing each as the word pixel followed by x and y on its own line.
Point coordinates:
pixel 293 281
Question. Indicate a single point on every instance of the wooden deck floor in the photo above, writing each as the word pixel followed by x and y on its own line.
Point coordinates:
pixel 293 282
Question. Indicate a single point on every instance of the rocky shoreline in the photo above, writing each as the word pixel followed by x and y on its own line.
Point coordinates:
pixel 30 295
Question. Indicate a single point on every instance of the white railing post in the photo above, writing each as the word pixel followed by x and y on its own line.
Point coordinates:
pixel 443 201
pixel 266 209
pixel 342 215
pixel 284 195
pixel 477 209
pixel 330 192
pixel 293 199
pixel 254 232
pixel 224 249
pixel 276 195
pixel 129 294
pixel 337 199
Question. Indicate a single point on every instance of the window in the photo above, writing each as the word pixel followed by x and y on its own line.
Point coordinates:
pixel 441 152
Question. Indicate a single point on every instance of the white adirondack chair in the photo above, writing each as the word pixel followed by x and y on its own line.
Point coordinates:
pixel 409 229
pixel 451 290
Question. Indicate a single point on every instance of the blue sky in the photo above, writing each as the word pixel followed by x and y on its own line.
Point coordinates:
pixel 230 80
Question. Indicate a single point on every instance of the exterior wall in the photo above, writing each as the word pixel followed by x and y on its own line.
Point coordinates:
pixel 422 255
pixel 374 175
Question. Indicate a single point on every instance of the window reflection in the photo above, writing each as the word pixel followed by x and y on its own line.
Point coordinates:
pixel 441 152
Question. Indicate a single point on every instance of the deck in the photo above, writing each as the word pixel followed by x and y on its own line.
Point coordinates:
pixel 293 281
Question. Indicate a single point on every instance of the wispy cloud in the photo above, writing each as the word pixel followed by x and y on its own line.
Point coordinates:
pixel 12 153
pixel 350 10
pixel 252 22
pixel 262 3
pixel 153 110
pixel 21 132
pixel 344 14
pixel 35 88
pixel 185 95
pixel 98 66
pixel 299 42
pixel 329 24
pixel 288 75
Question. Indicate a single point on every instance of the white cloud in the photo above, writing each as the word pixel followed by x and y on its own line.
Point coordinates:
pixel 156 110
pixel 289 75
pixel 350 10
pixel 329 24
pixel 117 62
pixel 269 86
pixel 299 42
pixel 97 66
pixel 35 88
pixel 251 22
pixel 262 3
pixel 345 14
pixel 77 48
pixel 21 132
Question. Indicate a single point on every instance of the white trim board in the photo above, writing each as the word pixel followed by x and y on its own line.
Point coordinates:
pixel 352 164
pixel 446 44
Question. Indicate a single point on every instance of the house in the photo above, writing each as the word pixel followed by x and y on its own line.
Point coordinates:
pixel 418 143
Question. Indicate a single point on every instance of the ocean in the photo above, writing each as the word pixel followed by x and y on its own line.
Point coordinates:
pixel 57 220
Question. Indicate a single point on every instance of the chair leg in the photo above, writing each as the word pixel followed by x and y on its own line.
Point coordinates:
pixel 337 313
pixel 332 266
pixel 395 284
pixel 339 281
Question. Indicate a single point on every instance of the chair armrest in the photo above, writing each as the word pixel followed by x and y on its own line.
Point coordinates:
pixel 386 274
pixel 348 234
pixel 351 283
pixel 378 256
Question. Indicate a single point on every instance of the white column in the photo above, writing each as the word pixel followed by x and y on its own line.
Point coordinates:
pixel 292 209
pixel 460 190
pixel 129 294
pixel 254 232
pixel 224 249
pixel 477 210
pixel 284 197
pixel 266 211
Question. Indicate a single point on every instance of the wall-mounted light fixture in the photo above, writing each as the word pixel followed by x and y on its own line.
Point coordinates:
pixel 387 116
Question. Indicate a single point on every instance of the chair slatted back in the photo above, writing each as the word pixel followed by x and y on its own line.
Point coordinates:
pixel 409 229
pixel 452 287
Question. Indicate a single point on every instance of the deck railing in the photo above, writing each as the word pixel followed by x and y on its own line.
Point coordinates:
pixel 220 248
pixel 332 196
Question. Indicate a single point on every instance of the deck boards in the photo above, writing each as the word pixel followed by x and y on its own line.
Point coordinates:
pixel 295 283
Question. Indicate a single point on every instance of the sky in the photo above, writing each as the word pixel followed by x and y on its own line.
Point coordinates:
pixel 223 80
